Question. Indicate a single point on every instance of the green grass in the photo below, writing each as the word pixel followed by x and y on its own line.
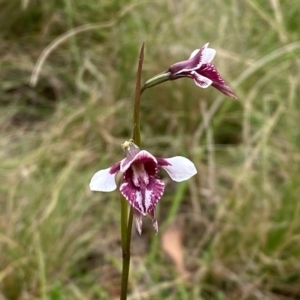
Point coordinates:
pixel 240 214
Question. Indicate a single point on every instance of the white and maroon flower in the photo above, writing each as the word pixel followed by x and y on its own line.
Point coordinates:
pixel 197 67
pixel 141 186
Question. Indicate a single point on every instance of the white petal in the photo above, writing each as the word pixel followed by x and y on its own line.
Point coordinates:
pixel 180 168
pixel 103 181
pixel 197 50
pixel 201 81
pixel 208 55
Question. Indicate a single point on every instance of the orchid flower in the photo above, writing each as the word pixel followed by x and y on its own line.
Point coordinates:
pixel 141 186
pixel 197 67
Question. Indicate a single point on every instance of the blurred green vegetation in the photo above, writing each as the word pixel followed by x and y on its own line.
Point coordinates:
pixel 240 215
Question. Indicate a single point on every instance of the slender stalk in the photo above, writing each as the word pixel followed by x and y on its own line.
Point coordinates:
pixel 126 234
pixel 124 214
pixel 126 257
pixel 126 221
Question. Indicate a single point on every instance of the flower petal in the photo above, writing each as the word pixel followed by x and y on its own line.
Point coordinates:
pixel 210 71
pixel 193 63
pixel 201 81
pixel 143 199
pixel 104 180
pixel 179 168
pixel 142 156
pixel 208 55
pixel 194 53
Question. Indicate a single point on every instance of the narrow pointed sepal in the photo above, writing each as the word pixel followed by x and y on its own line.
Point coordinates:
pixel 138 219
pixel 154 220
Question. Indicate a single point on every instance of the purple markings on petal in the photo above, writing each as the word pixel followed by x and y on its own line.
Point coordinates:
pixel 210 71
pixel 128 160
pixel 141 176
pixel 200 80
pixel 115 167
pixel 154 191
pixel 193 63
pixel 194 53
pixel 143 198
pixel 133 195
pixel 163 161
pixel 142 156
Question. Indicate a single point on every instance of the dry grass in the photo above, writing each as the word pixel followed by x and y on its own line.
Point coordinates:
pixel 240 215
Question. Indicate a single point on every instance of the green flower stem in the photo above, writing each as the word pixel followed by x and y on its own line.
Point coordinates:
pixel 126 221
pixel 125 234
pixel 124 214
pixel 162 77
